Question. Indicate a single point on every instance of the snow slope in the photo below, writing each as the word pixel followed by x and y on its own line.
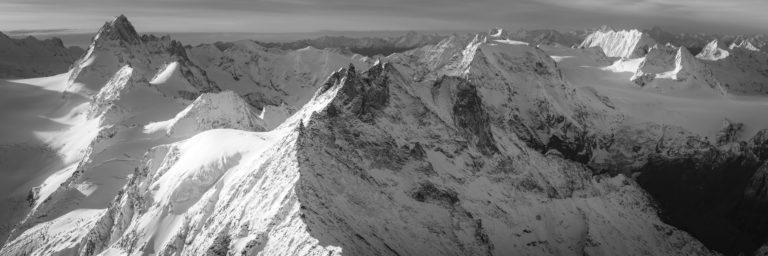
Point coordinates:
pixel 38 126
pixel 210 111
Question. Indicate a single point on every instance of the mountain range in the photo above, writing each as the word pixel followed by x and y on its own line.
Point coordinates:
pixel 602 142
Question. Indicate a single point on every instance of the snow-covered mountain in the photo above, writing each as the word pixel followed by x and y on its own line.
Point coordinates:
pixel 623 43
pixel 30 57
pixel 664 60
pixel 489 144
pixel 714 50
pixel 154 59
pixel 668 68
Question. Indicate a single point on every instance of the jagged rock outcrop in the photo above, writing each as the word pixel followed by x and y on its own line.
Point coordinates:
pixel 729 133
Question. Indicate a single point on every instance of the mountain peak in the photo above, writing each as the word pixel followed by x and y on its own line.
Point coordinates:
pixel 118 29
pixel 623 43
pixel 714 50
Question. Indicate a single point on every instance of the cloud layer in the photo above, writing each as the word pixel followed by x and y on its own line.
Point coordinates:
pixel 734 16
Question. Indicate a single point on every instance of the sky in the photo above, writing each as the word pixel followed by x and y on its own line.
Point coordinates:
pixel 294 16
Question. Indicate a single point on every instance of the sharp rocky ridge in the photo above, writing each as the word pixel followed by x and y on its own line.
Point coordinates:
pixel 471 145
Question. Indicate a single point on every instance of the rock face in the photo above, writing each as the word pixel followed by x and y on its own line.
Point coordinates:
pixel 30 57
pixel 624 43
pixel 729 133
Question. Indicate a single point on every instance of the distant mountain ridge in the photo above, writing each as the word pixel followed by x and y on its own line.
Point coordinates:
pixel 367 46
pixel 30 57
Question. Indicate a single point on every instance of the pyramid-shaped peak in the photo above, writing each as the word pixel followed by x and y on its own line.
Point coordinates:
pixel 121 18
pixel 119 29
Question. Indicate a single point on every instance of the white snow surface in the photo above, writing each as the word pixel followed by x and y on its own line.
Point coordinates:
pixel 210 111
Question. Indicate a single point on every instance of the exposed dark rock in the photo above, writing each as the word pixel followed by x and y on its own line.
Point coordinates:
pixel 469 115
pixel 729 132
pixel 759 144
pixel 119 29
pixel 644 79
pixel 418 151
pixel 578 149
pixel 220 246
pixel 429 193
pixel 362 94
